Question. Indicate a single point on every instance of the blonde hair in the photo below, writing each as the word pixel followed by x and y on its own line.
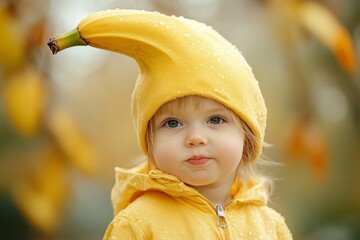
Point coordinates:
pixel 248 172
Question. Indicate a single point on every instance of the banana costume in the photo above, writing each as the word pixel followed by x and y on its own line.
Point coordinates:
pixel 178 57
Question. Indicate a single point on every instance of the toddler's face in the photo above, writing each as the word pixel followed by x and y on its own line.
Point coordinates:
pixel 197 141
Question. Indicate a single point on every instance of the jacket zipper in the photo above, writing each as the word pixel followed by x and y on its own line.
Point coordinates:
pixel 221 220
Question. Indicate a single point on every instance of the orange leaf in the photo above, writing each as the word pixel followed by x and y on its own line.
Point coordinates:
pixel 345 52
pixel 329 31
pixel 306 141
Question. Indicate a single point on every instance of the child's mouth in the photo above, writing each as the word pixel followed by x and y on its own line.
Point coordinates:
pixel 198 160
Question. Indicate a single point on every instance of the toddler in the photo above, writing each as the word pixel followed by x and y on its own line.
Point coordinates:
pixel 200 119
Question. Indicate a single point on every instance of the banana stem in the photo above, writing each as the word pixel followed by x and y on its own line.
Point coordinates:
pixel 66 40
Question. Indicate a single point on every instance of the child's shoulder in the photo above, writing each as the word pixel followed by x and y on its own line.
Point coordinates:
pixel 278 220
pixel 273 213
pixel 149 203
pixel 148 212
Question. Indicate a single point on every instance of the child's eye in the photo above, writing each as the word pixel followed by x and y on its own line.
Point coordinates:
pixel 216 120
pixel 172 123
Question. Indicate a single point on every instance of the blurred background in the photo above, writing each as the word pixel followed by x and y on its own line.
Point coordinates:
pixel 65 119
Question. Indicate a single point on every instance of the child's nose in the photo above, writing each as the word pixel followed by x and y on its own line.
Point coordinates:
pixel 195 139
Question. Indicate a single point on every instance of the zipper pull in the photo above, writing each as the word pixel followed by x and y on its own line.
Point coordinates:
pixel 221 220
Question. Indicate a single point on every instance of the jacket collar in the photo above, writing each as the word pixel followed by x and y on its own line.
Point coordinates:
pixel 130 183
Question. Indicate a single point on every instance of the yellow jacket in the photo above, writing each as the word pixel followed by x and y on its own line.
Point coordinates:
pixel 159 206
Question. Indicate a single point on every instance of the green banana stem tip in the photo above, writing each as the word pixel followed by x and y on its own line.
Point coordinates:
pixel 66 40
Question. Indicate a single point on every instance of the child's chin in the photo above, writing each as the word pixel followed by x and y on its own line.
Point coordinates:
pixel 198 183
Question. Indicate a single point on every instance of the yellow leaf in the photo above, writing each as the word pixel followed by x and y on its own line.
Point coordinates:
pixel 42 193
pixel 24 99
pixel 12 44
pixel 72 141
